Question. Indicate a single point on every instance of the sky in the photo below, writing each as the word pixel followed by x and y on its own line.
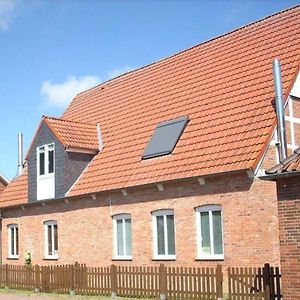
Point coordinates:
pixel 50 49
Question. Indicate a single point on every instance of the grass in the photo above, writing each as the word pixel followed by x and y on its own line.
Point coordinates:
pixel 58 296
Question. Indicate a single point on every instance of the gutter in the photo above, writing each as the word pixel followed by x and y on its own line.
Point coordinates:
pixel 275 177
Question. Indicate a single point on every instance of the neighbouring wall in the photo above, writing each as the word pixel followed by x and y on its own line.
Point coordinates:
pixel 85 225
pixel 2 185
pixel 289 229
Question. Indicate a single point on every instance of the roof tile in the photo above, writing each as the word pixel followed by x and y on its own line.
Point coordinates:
pixel 225 86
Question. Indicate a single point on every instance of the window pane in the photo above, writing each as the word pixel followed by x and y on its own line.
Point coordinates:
pixel 205 232
pixel 217 230
pixel 17 241
pixel 128 236
pixel 55 239
pixel 42 163
pixel 51 161
pixel 171 235
pixel 49 240
pixel 160 235
pixel 120 242
pixel 12 239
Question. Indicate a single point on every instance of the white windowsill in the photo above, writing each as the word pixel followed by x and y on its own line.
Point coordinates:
pixel 211 257
pixel 13 257
pixel 164 257
pixel 122 258
pixel 45 176
pixel 52 257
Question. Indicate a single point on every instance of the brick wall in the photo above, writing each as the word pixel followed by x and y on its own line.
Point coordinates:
pixel 289 230
pixel 85 225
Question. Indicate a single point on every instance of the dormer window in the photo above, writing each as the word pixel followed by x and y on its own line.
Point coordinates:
pixel 46 159
pixel 45 172
pixel 58 155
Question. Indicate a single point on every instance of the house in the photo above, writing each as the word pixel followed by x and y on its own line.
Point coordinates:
pixel 3 182
pixel 287 177
pixel 163 164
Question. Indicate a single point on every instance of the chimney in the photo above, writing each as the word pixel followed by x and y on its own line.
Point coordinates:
pixel 279 110
pixel 20 153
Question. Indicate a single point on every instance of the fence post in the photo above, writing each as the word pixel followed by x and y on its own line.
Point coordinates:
pixel 37 278
pixel 6 276
pixel 266 281
pixel 113 280
pixel 163 292
pixel 72 280
pixel 219 282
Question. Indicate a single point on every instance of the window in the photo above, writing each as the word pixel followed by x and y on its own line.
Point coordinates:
pixel 210 232
pixel 45 159
pixel 122 236
pixel 51 240
pixel 13 241
pixel 164 234
pixel 165 137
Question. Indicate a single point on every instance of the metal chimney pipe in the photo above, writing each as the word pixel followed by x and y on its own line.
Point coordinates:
pixel 20 153
pixel 280 109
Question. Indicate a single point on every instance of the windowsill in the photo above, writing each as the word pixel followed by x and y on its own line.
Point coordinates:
pixel 51 258
pixel 164 258
pixel 13 258
pixel 45 176
pixel 210 257
pixel 128 258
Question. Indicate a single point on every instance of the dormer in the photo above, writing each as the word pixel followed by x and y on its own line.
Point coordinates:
pixel 60 151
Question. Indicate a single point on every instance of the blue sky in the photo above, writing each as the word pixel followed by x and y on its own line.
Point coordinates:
pixel 50 50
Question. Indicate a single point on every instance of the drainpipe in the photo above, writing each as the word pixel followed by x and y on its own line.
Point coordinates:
pixel 280 110
pixel 20 153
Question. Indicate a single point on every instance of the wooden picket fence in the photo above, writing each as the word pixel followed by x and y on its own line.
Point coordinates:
pixel 142 281
pixel 254 283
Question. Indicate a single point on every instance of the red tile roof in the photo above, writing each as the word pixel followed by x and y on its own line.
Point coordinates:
pixel 16 192
pixel 72 134
pixel 225 86
pixel 290 164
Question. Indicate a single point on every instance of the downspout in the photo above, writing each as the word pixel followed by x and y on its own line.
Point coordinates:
pixel 280 110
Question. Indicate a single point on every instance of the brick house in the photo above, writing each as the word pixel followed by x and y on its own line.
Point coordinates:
pixel 287 177
pixel 163 163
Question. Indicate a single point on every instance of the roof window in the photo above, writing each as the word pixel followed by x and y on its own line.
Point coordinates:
pixel 165 137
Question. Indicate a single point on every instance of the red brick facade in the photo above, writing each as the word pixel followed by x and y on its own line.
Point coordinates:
pixel 289 230
pixel 85 231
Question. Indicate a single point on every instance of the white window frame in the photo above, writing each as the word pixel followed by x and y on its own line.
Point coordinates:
pixel 47 174
pixel 122 217
pixel 164 213
pixel 55 253
pixel 209 209
pixel 13 227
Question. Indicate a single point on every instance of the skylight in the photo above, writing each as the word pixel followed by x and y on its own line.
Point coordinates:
pixel 165 137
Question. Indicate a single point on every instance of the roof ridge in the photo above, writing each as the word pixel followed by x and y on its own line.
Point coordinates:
pixel 190 48
pixel 66 120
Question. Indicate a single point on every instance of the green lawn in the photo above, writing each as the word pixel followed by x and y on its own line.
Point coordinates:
pixel 59 296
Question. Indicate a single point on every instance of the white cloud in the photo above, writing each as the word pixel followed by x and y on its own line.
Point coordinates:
pixel 7 12
pixel 119 71
pixel 60 94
